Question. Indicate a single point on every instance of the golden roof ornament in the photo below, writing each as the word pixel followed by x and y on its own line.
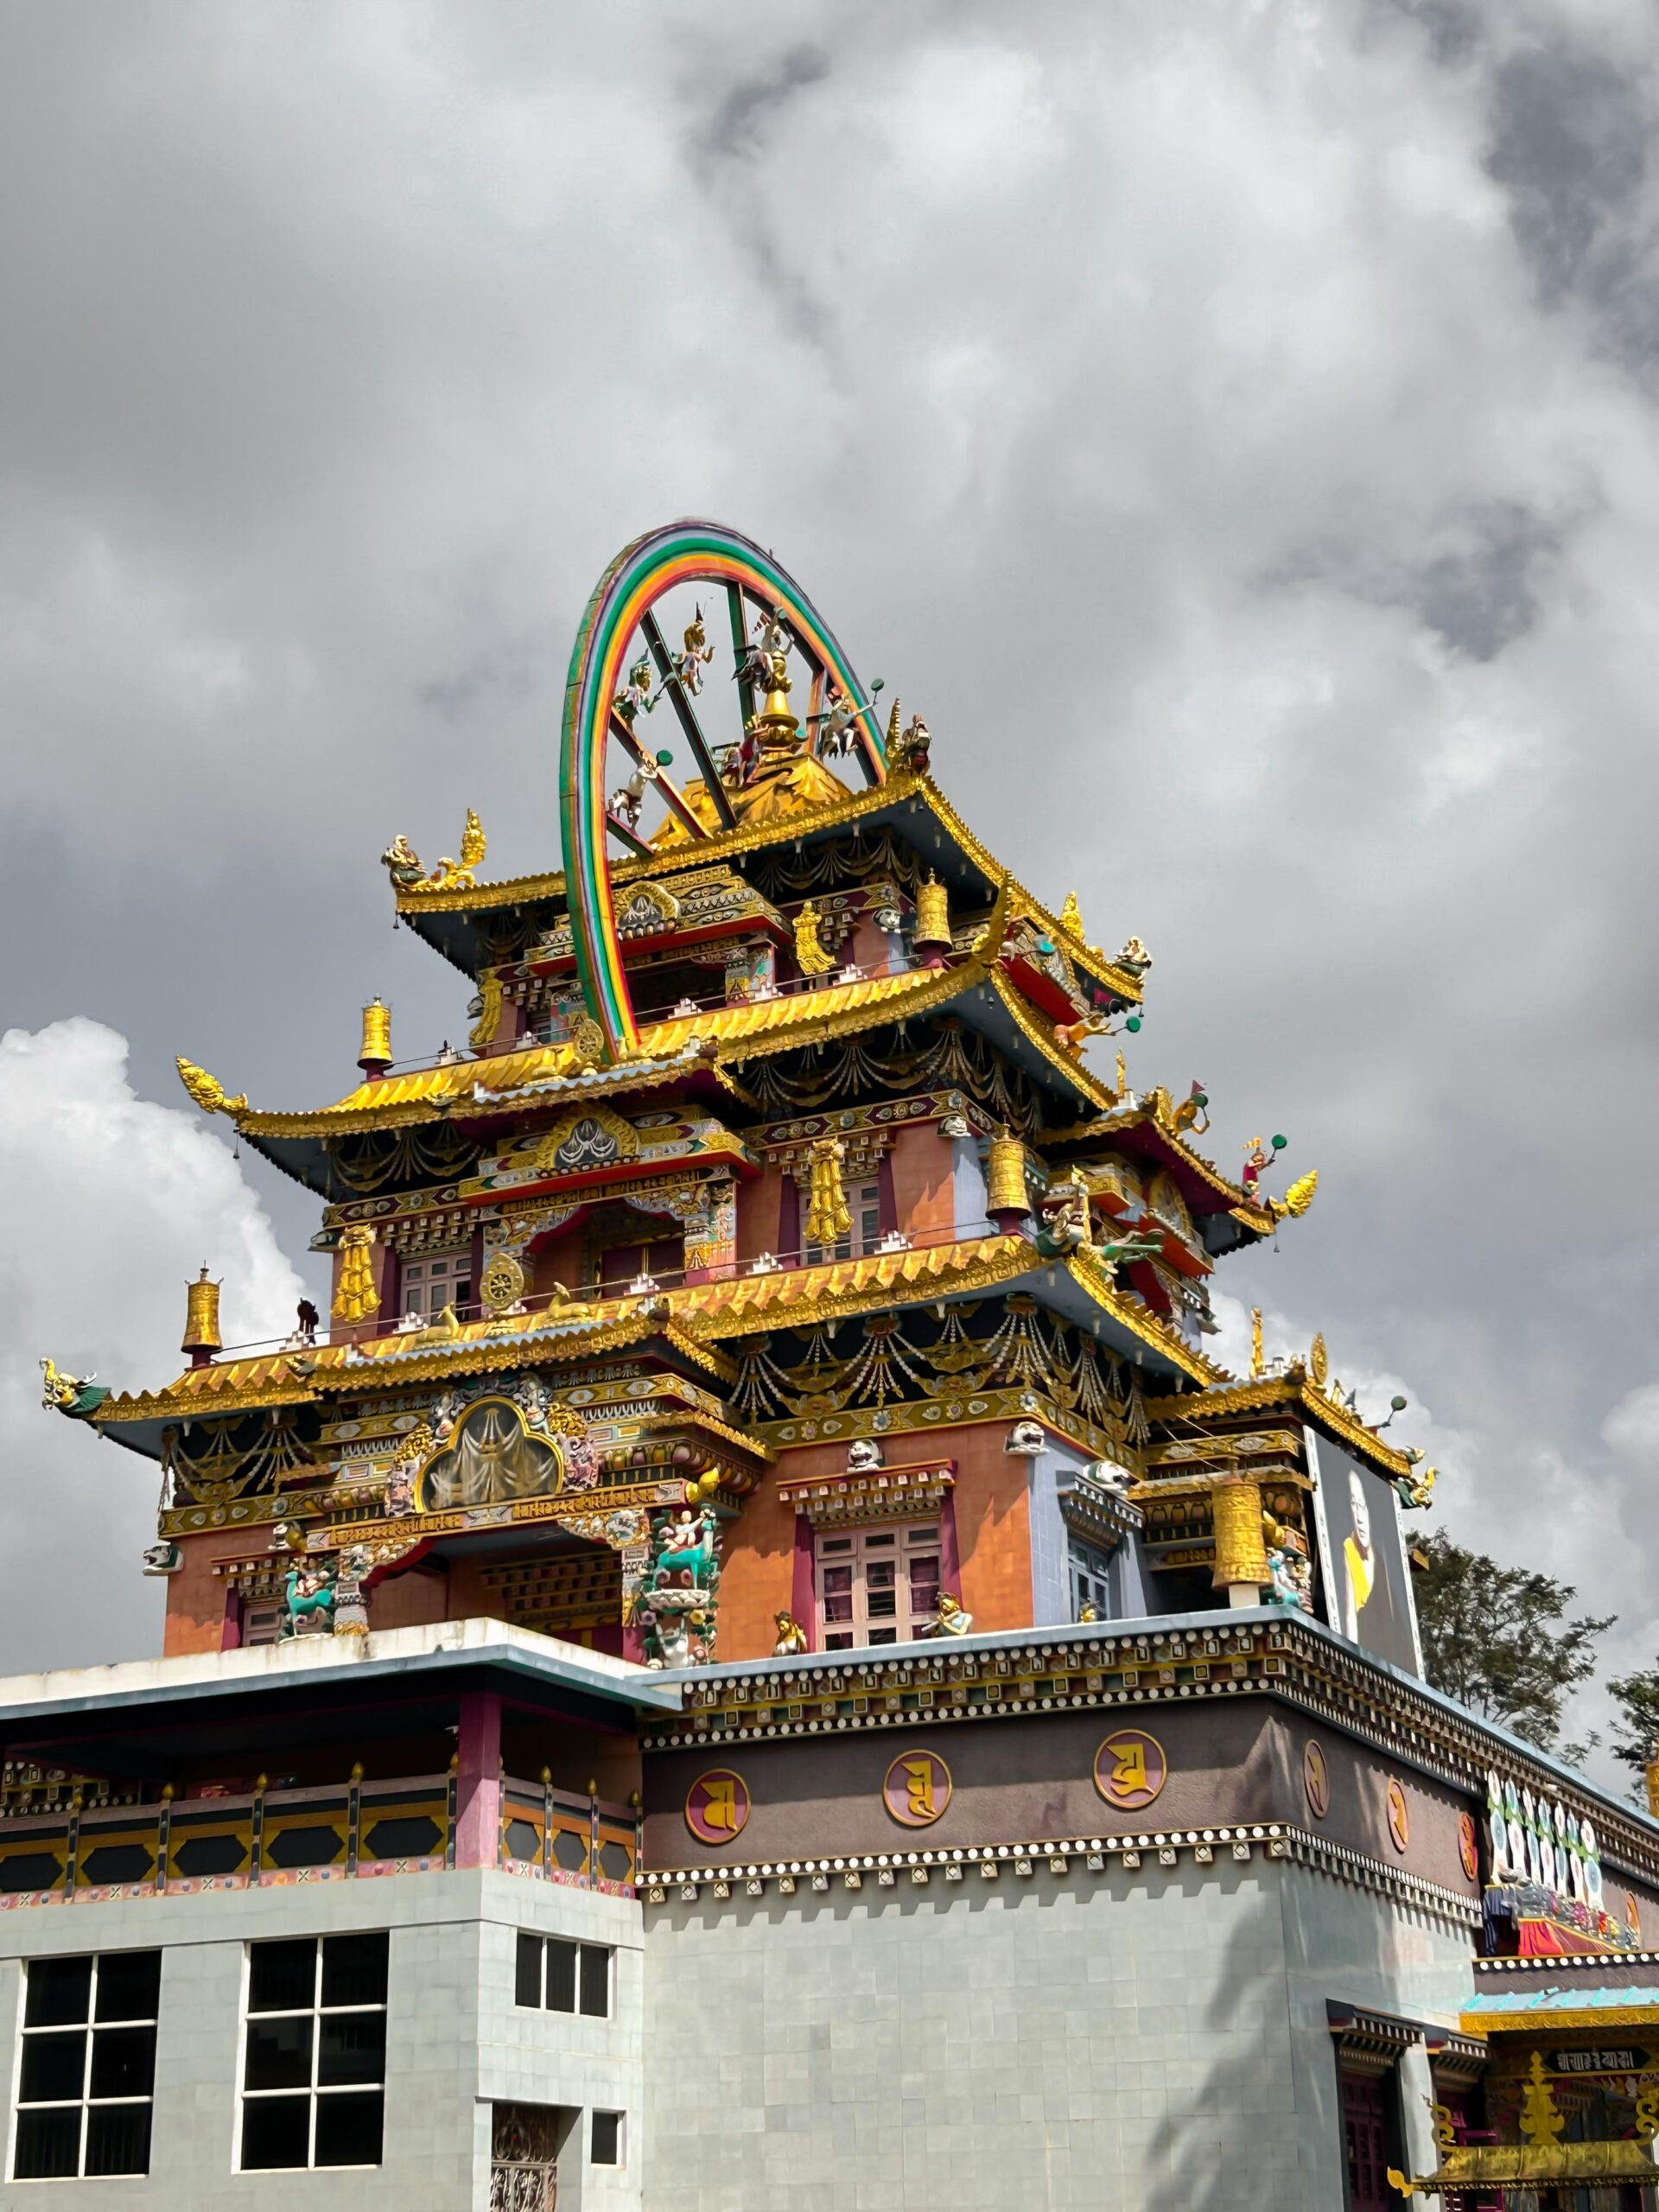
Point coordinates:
pixel 1071 917
pixel 207 1091
pixel 1258 1362
pixel 201 1336
pixel 1318 1362
pixel 1297 1199
pixel 374 1057
pixel 932 915
pixel 403 864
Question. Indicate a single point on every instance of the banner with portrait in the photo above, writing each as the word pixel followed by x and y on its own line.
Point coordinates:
pixel 1363 1555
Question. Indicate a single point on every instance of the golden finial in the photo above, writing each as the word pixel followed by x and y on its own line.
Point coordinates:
pixel 1071 917
pixel 1318 1364
pixel 1258 1364
pixel 202 1336
pixel 893 734
pixel 375 1056
pixel 932 915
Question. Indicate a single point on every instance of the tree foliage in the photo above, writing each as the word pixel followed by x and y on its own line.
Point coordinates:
pixel 1499 1639
pixel 1637 1697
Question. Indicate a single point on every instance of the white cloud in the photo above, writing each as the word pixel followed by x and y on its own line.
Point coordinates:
pixel 110 1204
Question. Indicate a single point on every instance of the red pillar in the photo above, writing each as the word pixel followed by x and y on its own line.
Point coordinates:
pixel 478 1780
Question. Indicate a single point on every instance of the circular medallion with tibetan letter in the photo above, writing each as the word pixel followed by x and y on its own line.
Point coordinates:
pixel 1399 1817
pixel 1130 1768
pixel 1316 1779
pixel 917 1789
pixel 718 1806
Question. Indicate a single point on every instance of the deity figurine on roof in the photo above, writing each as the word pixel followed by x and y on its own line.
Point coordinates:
pixel 635 697
pixel 690 664
pixel 763 662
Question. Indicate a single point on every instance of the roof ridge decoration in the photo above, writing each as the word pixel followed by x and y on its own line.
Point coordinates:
pixel 682 552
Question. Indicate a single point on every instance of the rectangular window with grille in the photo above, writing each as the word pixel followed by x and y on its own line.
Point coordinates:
pixel 313 2063
pixel 555 1975
pixel 86 2070
pixel 876 1586
pixel 864 1204
pixel 436 1280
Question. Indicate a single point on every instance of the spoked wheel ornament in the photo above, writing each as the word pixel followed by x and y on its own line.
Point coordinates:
pixel 759 732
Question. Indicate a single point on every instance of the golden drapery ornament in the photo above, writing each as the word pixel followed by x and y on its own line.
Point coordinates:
pixel 932 913
pixel 1241 1546
pixel 202 1316
pixel 828 1219
pixel 376 1049
pixel 207 1091
pixel 1652 1773
pixel 1005 1175
pixel 810 955
pixel 355 1295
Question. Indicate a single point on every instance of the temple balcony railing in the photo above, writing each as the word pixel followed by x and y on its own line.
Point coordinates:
pixel 267 1838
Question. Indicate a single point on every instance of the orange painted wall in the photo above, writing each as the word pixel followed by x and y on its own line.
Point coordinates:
pixel 195 1596
pixel 993 1514
pixel 924 1197
pixel 759 1203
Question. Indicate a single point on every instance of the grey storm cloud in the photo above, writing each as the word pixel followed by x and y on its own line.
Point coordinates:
pixel 1234 429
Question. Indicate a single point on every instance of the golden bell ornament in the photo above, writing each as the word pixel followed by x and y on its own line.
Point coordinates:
pixel 1241 1543
pixel 375 1057
pixel 1007 1199
pixel 932 915
pixel 202 1336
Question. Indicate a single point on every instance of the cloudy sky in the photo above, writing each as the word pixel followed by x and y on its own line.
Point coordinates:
pixel 1236 426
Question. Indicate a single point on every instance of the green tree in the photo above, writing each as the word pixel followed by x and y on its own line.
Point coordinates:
pixel 1499 1639
pixel 1637 1697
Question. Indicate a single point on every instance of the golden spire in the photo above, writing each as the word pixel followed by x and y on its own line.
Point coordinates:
pixel 1258 1364
pixel 375 1056
pixel 202 1336
pixel 893 733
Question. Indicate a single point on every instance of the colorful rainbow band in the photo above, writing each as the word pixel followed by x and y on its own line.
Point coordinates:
pixel 680 553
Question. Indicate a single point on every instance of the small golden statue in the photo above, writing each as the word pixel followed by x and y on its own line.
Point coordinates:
pixel 792 1636
pixel 811 955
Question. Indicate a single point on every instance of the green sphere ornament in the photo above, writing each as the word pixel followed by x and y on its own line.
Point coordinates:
pixel 664 758
pixel 1132 1024
pixel 1279 1143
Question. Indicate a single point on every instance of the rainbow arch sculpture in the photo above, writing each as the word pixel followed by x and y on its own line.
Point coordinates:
pixel 678 553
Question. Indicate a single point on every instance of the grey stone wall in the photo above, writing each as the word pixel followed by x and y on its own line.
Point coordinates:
pixel 456 2039
pixel 1153 2042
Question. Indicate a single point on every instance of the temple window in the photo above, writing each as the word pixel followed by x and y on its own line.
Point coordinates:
pixel 605 2143
pixel 436 1280
pixel 1088 1570
pixel 87 2068
pixel 864 1204
pixel 555 1975
pixel 876 1586
pixel 315 2053
pixel 663 1257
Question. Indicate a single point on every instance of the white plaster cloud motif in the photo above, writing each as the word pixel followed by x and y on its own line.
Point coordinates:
pixel 1234 427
